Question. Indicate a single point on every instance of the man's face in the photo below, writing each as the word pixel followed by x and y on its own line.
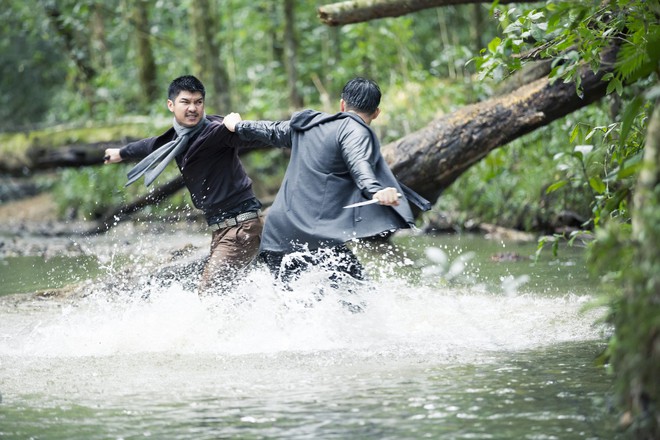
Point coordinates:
pixel 188 108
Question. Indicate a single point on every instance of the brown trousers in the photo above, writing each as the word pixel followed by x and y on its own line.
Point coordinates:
pixel 232 250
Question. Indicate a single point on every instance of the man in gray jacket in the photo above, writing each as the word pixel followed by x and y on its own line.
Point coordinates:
pixel 335 161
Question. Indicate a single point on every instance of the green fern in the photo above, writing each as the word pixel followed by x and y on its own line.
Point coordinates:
pixel 630 61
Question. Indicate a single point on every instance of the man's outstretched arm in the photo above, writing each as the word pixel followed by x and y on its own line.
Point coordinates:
pixel 277 133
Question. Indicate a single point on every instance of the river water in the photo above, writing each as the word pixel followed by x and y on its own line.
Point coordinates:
pixel 447 344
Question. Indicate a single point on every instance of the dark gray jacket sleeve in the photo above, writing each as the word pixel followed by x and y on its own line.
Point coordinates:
pixel 138 149
pixel 357 149
pixel 276 133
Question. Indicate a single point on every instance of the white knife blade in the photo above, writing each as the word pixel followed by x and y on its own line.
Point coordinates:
pixel 368 202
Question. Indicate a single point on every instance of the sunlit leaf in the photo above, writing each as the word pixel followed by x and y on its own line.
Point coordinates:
pixel 494 44
pixel 555 186
pixel 629 115
pixel 597 185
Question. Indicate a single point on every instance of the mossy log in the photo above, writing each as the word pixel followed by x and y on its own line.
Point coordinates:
pixel 64 146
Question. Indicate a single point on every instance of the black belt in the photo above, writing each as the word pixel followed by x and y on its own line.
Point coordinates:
pixel 233 221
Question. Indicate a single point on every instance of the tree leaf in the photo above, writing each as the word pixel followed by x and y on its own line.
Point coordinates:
pixel 555 186
pixel 494 44
pixel 574 133
pixel 629 115
pixel 598 185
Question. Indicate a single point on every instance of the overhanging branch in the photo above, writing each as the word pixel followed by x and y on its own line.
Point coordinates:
pixel 357 11
pixel 431 159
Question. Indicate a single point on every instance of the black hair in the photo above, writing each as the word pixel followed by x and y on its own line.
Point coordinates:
pixel 188 83
pixel 361 94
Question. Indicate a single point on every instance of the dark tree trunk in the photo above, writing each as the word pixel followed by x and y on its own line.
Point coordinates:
pixel 357 11
pixel 98 42
pixel 209 60
pixel 291 54
pixel 145 57
pixel 77 49
pixel 636 355
pixel 476 28
pixel 70 156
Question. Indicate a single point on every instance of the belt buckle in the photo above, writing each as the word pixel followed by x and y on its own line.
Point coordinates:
pixel 227 223
pixel 243 216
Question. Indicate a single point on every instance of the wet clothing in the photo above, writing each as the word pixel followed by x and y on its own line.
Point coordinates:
pixel 232 250
pixel 335 161
pixel 336 259
pixel 220 187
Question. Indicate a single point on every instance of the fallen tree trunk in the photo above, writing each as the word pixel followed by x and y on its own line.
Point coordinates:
pixel 22 153
pixel 430 159
pixel 357 11
pixel 40 158
pixel 69 156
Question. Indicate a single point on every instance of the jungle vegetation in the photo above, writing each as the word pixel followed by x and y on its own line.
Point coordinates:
pixel 96 73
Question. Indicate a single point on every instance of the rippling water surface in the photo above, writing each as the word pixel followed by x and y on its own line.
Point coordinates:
pixel 448 345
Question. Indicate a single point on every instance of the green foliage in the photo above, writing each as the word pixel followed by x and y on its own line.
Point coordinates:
pixel 606 156
pixel 536 180
pixel 630 267
pixel 573 35
pixel 28 59
pixel 102 36
pixel 606 161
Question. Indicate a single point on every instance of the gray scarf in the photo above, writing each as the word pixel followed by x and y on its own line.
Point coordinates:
pixel 154 164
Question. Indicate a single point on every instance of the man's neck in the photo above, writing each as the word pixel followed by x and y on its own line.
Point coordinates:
pixel 367 120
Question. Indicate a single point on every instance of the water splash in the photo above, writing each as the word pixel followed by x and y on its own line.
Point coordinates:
pixel 393 316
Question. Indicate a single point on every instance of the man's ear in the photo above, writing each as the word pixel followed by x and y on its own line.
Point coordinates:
pixel 342 105
pixel 170 105
pixel 376 113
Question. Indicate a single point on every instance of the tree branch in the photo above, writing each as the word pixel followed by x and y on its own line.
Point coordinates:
pixel 432 158
pixel 121 213
pixel 357 11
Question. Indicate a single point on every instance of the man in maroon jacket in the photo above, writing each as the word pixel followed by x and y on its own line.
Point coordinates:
pixel 206 153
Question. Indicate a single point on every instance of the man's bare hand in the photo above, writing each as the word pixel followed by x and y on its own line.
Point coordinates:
pixel 388 197
pixel 231 120
pixel 112 156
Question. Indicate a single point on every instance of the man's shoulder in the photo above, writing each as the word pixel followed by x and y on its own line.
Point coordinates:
pixel 213 124
pixel 307 119
pixel 215 118
pixel 213 121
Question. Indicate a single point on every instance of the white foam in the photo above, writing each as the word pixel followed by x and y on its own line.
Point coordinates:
pixel 259 317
